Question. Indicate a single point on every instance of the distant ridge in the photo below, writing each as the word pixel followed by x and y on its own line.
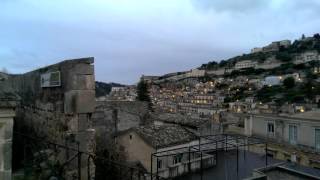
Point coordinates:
pixel 103 88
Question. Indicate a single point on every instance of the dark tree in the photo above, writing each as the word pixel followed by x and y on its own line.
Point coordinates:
pixel 143 93
pixel 289 82
pixel 283 56
pixel 316 36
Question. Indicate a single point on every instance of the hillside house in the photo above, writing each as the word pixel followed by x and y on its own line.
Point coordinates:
pixel 245 64
pixel 140 143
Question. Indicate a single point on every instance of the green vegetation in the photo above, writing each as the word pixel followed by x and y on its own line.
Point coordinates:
pixel 289 82
pixel 281 94
pixel 210 65
pixel 284 56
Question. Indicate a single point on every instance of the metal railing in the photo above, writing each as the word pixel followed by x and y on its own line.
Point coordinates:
pixel 44 160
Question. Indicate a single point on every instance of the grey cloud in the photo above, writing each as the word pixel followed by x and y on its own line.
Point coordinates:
pixel 240 6
pixel 128 44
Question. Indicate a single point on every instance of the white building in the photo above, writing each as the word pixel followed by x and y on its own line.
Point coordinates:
pixel 245 64
pixel 272 80
pixel 298 134
pixel 256 50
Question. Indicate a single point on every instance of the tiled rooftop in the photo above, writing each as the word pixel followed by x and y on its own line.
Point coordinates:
pixel 165 136
pixel 180 119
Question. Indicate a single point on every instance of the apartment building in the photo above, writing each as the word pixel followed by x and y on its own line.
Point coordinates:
pixel 295 135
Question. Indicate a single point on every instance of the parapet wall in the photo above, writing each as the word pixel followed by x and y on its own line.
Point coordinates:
pixel 119 115
pixel 58 109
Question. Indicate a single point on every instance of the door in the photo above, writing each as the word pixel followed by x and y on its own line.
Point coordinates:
pixel 293 134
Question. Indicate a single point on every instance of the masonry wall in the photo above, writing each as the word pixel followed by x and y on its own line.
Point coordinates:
pixel 59 114
pixel 111 117
pixel 6 127
pixel 136 149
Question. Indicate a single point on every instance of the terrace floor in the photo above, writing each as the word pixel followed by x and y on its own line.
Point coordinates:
pixel 226 168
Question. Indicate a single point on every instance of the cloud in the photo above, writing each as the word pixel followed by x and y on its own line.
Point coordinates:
pixel 239 6
pixel 130 38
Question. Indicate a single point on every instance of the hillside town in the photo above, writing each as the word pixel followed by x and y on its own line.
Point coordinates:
pixel 272 94
pixel 261 108
pixel 160 90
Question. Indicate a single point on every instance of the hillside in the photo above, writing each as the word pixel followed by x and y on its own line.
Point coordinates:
pixel 103 89
pixel 284 54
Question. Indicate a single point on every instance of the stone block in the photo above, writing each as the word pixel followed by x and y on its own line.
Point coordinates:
pixel 85 82
pixel 85 69
pixel 79 101
pixel 6 129
pixel 5 160
pixel 70 102
pixel 83 122
pixel 5 175
pixel 85 101
pixel 80 82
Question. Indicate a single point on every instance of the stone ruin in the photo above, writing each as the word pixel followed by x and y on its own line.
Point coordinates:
pixel 54 115
pixel 55 105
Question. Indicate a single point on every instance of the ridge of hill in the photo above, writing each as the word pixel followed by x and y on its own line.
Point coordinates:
pixel 283 53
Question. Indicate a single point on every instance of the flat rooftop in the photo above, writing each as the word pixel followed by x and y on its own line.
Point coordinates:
pixel 226 168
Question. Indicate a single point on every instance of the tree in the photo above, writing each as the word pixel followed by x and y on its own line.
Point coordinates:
pixel 303 36
pixel 143 93
pixel 283 56
pixel 289 82
pixel 316 36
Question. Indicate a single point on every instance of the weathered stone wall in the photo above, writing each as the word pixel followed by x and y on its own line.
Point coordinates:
pixel 59 114
pixel 111 117
pixel 136 149
pixel 6 127
pixel 115 116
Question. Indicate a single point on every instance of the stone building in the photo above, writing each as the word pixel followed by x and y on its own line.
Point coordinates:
pixel 140 143
pixel 56 103
pixel 256 50
pixel 295 135
pixel 245 64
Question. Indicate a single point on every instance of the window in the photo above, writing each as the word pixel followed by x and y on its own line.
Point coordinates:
pixel 159 164
pixel 317 138
pixel 293 134
pixel 270 128
pixel 177 159
pixel 130 136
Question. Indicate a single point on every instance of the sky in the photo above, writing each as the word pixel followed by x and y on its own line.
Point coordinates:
pixel 129 38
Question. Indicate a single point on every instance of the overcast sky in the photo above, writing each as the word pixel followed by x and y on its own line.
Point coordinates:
pixel 129 38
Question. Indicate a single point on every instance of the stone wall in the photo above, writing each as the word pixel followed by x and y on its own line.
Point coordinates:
pixel 111 117
pixel 119 115
pixel 6 127
pixel 62 113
